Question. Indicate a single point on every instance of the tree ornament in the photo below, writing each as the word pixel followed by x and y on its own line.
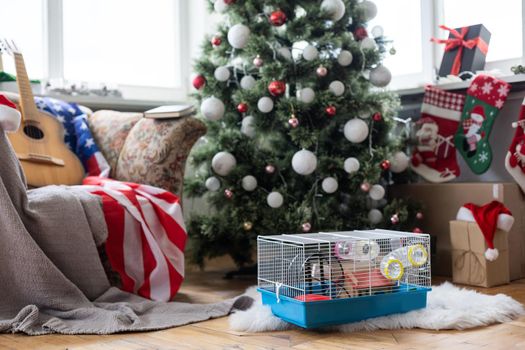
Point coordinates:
pixel 285 52
pixel 306 95
pixel 199 82
pixel 400 162
pixel 310 53
pixel 365 187
pixel 380 76
pixel 360 33
pixel 385 164
pixel 278 18
pixel 392 51
pixel 222 73
pixel 335 9
pixel 220 6
pixel 345 58
pixel 306 227
pixel 377 192
pixel 369 10
pixel 321 71
pixel 293 121
pixel 331 111
pixel 248 126
pixel 270 169
pixel 213 184
pixel 352 165
pixel 304 162
pixel 216 41
pixel 228 193
pixel 368 44
pixel 258 61
pixel 242 107
pixel 417 230
pixel 212 108
pixel 356 130
pixel 375 216
pixel 277 88
pixel 247 82
pixel 265 104
pixel 378 31
pixel 275 200
pixel 223 163
pixel 249 183
pixel 238 36
pixel 377 117
pixel 337 88
pixel 229 2
pixel 247 226
pixel 419 215
pixel 394 219
pixel 329 185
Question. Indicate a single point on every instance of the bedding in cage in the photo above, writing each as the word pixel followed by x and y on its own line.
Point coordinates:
pixel 321 279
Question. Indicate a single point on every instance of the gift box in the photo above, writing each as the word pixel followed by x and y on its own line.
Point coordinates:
pixel 465 49
pixel 469 265
pixel 440 205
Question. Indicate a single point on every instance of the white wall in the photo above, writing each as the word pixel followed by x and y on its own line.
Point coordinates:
pixel 202 23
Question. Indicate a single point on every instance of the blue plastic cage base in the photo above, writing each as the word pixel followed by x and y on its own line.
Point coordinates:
pixel 316 314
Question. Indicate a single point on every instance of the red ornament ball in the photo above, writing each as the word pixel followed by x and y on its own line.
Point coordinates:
pixel 394 219
pixel 198 82
pixel 419 215
pixel 216 41
pixel 331 111
pixel 360 33
pixel 306 227
pixel 377 117
pixel 365 187
pixel 229 2
pixel 385 165
pixel 278 18
pixel 277 88
pixel 417 230
pixel 294 122
pixel 270 169
pixel 228 194
pixel 242 107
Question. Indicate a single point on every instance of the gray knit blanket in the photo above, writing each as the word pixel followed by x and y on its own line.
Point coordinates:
pixel 51 276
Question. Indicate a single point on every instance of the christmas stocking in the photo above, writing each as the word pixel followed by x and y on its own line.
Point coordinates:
pixel 515 160
pixel 434 157
pixel 485 97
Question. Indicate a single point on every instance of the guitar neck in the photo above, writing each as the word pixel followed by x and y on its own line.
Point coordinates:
pixel 27 100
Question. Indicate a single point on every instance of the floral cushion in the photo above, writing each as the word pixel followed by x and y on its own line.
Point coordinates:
pixel 110 129
pixel 155 152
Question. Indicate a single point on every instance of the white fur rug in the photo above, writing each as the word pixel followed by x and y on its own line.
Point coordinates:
pixel 448 307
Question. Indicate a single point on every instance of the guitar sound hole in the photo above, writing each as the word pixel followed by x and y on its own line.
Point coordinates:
pixel 33 132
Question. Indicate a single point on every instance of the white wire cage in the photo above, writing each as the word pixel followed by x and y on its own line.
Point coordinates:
pixel 339 265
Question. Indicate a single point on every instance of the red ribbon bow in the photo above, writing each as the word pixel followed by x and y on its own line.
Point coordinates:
pixel 458 41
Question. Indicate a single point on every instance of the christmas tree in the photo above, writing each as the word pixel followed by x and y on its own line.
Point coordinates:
pixel 299 125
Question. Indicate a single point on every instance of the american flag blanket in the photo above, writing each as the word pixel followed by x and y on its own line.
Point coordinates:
pixel 146 239
pixel 77 136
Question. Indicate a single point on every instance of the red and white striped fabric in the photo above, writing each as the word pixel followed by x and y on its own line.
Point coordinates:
pixel 146 239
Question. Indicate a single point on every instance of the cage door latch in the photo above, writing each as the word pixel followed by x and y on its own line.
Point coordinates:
pixel 278 286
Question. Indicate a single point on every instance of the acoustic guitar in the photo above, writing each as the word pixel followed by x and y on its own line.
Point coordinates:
pixel 39 142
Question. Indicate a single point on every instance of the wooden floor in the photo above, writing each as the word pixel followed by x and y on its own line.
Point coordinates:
pixel 209 287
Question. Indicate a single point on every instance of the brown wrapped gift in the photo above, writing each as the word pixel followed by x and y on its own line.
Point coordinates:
pixel 469 265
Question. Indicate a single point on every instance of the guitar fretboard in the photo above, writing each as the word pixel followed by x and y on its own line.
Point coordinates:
pixel 27 100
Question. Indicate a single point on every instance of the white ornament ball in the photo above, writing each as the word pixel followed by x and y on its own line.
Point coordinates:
pixel 285 52
pixel 345 58
pixel 375 216
pixel 352 165
pixel 380 76
pixel 247 126
pixel 306 95
pixel 337 88
pixel 275 200
pixel 399 162
pixel 368 44
pixel 223 163
pixel 265 104
pixel 370 10
pixel 247 82
pixel 356 130
pixel 222 73
pixel 377 31
pixel 213 184
pixel 304 162
pixel 238 36
pixel 249 183
pixel 220 6
pixel 377 192
pixel 212 108
pixel 329 185
pixel 335 8
pixel 310 53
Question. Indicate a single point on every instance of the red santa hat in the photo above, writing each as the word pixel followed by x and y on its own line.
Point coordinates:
pixel 9 116
pixel 489 217
pixel 478 114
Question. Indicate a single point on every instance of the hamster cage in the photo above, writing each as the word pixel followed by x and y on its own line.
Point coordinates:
pixel 320 279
